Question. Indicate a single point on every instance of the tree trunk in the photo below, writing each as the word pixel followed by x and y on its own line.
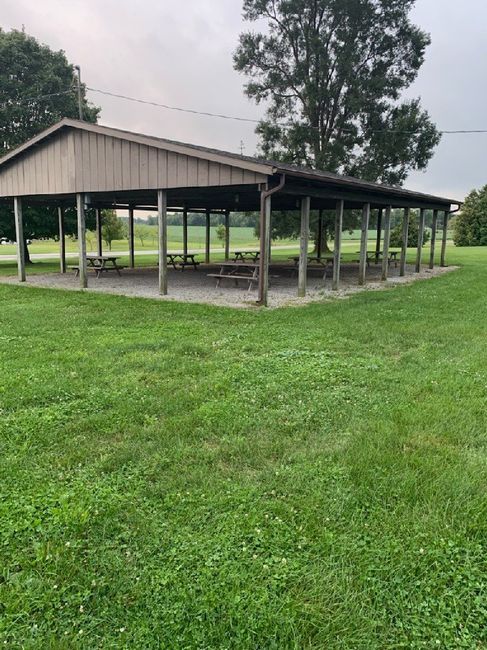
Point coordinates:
pixel 324 240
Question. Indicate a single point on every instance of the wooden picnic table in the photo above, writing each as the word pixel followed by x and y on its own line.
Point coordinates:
pixel 248 271
pixel 314 262
pixel 180 261
pixel 376 256
pixel 100 264
pixel 243 256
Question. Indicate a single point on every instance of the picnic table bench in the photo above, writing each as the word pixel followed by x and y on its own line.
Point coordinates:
pixel 180 261
pixel 248 271
pixel 100 264
pixel 314 262
pixel 243 256
pixel 377 256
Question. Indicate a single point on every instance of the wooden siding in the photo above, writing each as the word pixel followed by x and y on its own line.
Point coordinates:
pixel 83 161
pixel 46 169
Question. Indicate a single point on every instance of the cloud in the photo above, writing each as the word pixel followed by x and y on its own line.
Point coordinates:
pixel 179 52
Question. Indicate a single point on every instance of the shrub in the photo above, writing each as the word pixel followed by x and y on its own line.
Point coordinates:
pixel 413 231
pixel 471 223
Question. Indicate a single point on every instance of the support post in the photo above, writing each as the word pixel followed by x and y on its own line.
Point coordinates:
pixel 19 236
pixel 207 242
pixel 99 235
pixel 227 234
pixel 404 247
pixel 337 250
pixel 444 238
pixel 131 238
pixel 363 243
pixel 385 247
pixel 80 208
pixel 303 247
pixel 420 240
pixel 62 240
pixel 378 238
pixel 162 222
pixel 320 234
pixel 434 225
pixel 185 231
pixel 265 238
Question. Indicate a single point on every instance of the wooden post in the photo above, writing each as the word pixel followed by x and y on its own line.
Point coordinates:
pixel 337 249
pixel 99 235
pixel 208 233
pixel 320 233
pixel 227 234
pixel 434 225
pixel 404 247
pixel 385 247
pixel 363 243
pixel 162 222
pixel 80 208
pixel 444 238
pixel 19 236
pixel 303 247
pixel 379 229
pixel 265 238
pixel 62 240
pixel 420 240
pixel 131 238
pixel 185 231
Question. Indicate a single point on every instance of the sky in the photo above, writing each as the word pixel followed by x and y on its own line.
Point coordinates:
pixel 179 52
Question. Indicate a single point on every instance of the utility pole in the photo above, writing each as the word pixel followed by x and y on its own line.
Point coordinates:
pixel 80 103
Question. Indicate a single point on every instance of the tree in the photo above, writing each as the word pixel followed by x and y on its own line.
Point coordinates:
pixel 143 232
pixel 36 90
pixel 112 227
pixel 413 233
pixel 221 232
pixel 331 73
pixel 470 225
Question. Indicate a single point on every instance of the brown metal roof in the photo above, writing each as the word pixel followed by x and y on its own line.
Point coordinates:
pixel 309 178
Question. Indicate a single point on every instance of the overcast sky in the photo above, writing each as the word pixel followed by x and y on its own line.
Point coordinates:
pixel 179 52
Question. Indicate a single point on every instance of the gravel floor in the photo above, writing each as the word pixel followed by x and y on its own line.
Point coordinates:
pixel 196 286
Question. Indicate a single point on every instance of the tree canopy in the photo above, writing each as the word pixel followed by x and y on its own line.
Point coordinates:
pixel 29 71
pixel 470 227
pixel 331 74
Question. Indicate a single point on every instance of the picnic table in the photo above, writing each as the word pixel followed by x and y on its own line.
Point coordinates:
pixel 243 256
pixel 314 262
pixel 248 271
pixel 377 256
pixel 101 264
pixel 180 261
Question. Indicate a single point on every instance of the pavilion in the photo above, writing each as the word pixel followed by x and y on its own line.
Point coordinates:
pixel 74 163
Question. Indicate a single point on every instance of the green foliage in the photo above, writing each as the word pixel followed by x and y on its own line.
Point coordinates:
pixel 112 227
pixel 333 72
pixel 413 232
pixel 28 70
pixel 194 477
pixel 221 232
pixel 144 232
pixel 470 226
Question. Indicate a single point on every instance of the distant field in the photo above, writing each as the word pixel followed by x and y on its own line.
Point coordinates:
pixel 239 238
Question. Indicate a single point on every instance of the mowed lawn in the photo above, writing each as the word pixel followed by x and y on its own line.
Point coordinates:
pixel 181 476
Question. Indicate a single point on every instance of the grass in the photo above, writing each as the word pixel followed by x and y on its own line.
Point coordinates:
pixel 183 476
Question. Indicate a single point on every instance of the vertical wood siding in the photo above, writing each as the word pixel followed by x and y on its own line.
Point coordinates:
pixel 81 161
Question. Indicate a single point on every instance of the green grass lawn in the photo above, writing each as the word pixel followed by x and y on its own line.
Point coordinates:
pixel 182 476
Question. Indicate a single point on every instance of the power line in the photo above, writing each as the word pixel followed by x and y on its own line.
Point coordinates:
pixel 222 116
pixel 174 108
pixel 253 121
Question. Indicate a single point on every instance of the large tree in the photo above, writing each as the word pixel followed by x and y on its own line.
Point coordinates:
pixel 36 90
pixel 331 74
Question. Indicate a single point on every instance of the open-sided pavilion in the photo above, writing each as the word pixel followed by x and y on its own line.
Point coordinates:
pixel 75 163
